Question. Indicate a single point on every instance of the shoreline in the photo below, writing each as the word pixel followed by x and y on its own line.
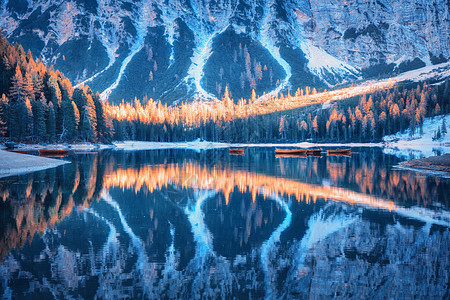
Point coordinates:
pixel 60 146
pixel 438 165
pixel 14 163
pixel 17 164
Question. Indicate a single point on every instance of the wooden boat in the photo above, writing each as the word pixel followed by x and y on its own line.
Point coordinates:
pixel 47 152
pixel 314 152
pixel 19 151
pixel 291 151
pixel 291 155
pixel 237 151
pixel 339 152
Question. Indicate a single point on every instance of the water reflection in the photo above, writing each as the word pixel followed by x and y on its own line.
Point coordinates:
pixel 176 224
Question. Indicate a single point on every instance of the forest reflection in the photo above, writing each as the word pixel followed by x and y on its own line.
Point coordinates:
pixel 39 200
pixel 179 217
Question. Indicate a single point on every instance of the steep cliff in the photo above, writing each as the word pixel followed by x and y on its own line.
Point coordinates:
pixel 176 49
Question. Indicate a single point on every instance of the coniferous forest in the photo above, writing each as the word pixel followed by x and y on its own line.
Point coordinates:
pixel 365 119
pixel 38 104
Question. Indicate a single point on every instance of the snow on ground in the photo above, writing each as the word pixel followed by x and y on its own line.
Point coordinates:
pixel 417 146
pixel 14 163
pixel 194 145
pixel 320 62
pixel 440 71
pixel 80 147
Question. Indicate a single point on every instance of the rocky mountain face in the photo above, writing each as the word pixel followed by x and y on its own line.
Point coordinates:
pixel 178 49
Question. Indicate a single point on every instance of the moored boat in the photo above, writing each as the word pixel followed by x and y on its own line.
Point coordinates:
pixel 339 152
pixel 314 152
pixel 291 151
pixel 291 155
pixel 237 151
pixel 55 152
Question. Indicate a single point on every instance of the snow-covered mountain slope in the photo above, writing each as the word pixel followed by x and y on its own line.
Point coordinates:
pixel 179 49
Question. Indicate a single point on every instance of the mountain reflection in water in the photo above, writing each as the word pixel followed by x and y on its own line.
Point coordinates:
pixel 177 224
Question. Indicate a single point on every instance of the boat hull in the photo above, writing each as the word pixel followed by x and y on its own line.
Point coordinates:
pixel 239 151
pixel 291 151
pixel 345 152
pixel 53 152
pixel 314 152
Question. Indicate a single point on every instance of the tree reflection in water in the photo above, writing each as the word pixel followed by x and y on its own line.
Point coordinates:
pixel 161 224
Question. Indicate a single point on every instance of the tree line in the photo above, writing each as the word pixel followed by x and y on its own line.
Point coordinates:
pixel 367 119
pixel 38 104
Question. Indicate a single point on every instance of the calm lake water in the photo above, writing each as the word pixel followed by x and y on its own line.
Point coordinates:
pixel 181 224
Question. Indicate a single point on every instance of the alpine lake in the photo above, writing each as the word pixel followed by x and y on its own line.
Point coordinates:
pixel 185 224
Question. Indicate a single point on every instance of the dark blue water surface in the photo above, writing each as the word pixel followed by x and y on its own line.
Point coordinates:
pixel 184 224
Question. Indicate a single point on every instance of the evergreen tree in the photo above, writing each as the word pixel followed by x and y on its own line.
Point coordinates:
pixel 54 93
pixel 39 120
pixel 38 85
pixel 102 130
pixel 17 91
pixel 22 119
pixel 4 118
pixel 89 121
pixel 29 128
pixel 28 86
pixel 76 113
pixel 14 123
pixel 51 122
pixel 69 127
pixel 444 127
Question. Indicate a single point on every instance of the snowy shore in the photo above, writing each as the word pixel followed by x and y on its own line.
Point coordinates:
pixel 65 146
pixel 416 145
pixel 439 165
pixel 14 163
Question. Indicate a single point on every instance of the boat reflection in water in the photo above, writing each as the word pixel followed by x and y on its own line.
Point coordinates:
pixel 179 225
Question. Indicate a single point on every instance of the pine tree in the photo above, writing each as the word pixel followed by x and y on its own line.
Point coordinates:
pixel 14 123
pixel 444 127
pixel 29 86
pixel 29 128
pixel 89 121
pixel 23 118
pixel 69 124
pixel 4 118
pixel 76 113
pixel 17 91
pixel 54 93
pixel 437 110
pixel 80 99
pixel 102 131
pixel 51 122
pixel 38 85
pixel 39 120
pixel 315 126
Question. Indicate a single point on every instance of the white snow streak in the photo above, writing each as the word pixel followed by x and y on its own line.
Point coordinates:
pixel 267 39
pixel 202 52
pixel 269 245
pixel 145 20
